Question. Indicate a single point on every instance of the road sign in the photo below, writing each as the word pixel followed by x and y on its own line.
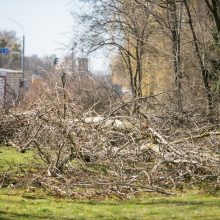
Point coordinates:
pixel 4 50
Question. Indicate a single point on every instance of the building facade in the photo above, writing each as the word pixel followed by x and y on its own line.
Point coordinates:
pixel 10 87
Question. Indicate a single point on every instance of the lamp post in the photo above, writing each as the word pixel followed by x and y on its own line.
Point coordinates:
pixel 23 47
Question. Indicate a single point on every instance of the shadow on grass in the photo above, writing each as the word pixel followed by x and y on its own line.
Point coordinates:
pixel 13 215
pixel 196 202
pixel 50 214
pixel 153 203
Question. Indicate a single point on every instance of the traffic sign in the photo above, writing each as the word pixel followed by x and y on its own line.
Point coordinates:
pixel 4 50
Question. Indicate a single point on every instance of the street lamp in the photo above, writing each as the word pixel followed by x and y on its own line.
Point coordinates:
pixel 23 46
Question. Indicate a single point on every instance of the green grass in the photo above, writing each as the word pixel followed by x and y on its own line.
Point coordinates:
pixel 14 162
pixel 17 204
pixel 36 204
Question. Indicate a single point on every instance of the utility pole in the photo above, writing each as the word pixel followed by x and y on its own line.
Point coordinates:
pixel 23 48
pixel 23 56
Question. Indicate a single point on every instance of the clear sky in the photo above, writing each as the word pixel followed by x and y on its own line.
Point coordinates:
pixel 48 25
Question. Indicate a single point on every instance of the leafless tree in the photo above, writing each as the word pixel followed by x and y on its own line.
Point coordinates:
pixel 122 26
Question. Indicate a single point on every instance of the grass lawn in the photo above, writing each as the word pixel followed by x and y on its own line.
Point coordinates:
pixel 13 162
pixel 17 204
pixel 23 204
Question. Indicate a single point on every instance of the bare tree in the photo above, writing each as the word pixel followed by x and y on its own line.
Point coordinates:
pixel 122 26
pixel 214 6
pixel 168 15
pixel 204 70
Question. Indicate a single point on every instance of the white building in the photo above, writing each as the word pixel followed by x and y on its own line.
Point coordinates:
pixel 10 86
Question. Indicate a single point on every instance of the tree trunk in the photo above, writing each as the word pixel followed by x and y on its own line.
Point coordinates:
pixel 204 71
pixel 214 9
pixel 176 46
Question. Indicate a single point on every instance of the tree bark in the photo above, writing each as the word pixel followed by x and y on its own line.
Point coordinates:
pixel 214 8
pixel 176 49
pixel 204 71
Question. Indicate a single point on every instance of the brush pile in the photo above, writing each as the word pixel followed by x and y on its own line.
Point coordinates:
pixel 118 152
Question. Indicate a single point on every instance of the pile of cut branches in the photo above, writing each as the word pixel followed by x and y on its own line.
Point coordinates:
pixel 113 153
pixel 122 151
